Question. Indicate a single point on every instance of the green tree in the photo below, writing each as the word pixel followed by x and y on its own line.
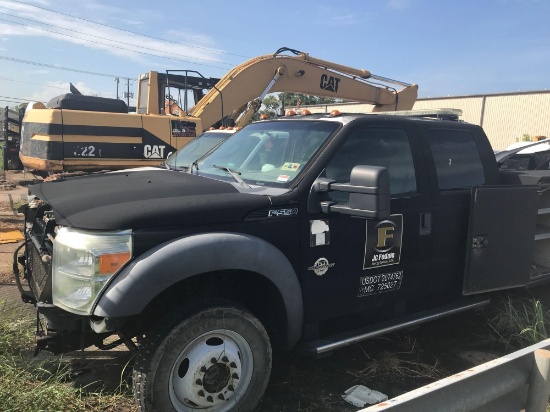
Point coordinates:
pixel 271 103
pixel 20 108
pixel 291 99
pixel 526 138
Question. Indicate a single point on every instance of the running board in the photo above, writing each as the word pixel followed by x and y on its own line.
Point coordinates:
pixel 329 343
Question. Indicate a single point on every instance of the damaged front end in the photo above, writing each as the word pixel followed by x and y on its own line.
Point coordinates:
pixel 64 293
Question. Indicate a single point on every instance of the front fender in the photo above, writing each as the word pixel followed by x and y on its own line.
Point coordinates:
pixel 169 263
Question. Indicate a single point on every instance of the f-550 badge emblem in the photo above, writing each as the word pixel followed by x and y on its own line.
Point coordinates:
pixel 282 212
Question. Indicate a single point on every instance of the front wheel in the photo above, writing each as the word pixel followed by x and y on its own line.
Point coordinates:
pixel 216 359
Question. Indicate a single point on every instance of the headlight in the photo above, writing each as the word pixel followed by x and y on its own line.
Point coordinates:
pixel 82 264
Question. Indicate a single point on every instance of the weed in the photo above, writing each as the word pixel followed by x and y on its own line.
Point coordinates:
pixel 520 322
pixel 392 365
pixel 29 384
pixel 397 365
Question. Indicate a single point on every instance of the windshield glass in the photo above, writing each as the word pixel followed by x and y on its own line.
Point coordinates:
pixel 269 153
pixel 195 149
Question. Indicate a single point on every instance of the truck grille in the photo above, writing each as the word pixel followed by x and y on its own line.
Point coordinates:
pixel 40 225
pixel 40 275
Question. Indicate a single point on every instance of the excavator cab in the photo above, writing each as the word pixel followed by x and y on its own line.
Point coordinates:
pixel 170 93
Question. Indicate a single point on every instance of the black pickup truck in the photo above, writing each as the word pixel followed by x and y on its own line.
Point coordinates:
pixel 304 233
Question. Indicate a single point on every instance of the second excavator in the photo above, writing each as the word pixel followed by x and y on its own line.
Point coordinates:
pixel 74 132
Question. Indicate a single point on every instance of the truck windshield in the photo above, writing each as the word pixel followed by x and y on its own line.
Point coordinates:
pixel 269 153
pixel 195 149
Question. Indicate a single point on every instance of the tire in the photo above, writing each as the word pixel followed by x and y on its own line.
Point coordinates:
pixel 216 358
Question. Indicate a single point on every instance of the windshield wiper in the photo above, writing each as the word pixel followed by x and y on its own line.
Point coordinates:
pixel 195 165
pixel 234 173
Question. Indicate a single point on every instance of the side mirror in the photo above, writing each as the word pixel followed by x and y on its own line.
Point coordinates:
pixel 369 189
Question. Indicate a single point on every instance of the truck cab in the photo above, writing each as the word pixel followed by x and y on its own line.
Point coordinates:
pixel 302 233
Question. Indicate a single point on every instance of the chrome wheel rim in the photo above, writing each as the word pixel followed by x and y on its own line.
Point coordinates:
pixel 212 372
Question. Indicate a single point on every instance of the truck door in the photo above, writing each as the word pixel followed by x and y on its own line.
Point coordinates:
pixel 351 264
pixel 455 167
pixel 501 238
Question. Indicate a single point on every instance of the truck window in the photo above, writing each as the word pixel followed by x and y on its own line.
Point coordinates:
pixel 456 157
pixel 376 147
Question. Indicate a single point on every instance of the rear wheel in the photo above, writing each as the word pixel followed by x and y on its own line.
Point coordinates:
pixel 215 359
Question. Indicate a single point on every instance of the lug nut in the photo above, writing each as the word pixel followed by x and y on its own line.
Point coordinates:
pixel 220 396
pixel 198 382
pixel 235 376
pixel 203 369
pixel 231 388
pixel 210 399
pixel 225 359
pixel 213 360
pixel 233 364
pixel 200 393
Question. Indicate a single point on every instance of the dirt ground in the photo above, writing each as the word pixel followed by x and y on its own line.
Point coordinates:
pixel 393 364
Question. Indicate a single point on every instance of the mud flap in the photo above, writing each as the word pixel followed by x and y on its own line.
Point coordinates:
pixel 501 238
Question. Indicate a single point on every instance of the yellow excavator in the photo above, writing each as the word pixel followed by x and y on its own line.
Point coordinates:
pixel 75 132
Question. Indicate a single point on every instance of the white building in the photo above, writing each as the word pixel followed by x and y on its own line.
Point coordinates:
pixel 505 117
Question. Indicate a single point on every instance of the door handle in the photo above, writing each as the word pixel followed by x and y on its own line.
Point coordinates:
pixel 425 223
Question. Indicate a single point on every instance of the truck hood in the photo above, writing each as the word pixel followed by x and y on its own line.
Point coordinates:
pixel 145 199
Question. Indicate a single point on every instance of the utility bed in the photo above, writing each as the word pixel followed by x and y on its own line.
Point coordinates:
pixel 540 267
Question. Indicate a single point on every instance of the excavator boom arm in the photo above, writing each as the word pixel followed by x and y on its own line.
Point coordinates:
pixel 299 74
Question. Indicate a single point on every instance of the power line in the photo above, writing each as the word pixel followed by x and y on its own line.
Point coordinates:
pixel 104 38
pixel 110 45
pixel 129 31
pixel 36 84
pixel 51 66
pixel 42 85
pixel 10 101
pixel 18 99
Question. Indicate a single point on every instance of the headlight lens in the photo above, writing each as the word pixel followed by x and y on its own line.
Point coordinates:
pixel 82 264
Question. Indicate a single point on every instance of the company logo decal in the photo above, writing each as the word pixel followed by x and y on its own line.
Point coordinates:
pixel 383 242
pixel 153 151
pixel 329 83
pixel 321 266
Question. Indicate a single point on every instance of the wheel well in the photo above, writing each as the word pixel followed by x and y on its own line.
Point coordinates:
pixel 248 289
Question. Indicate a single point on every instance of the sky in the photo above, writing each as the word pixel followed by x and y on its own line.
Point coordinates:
pixel 448 48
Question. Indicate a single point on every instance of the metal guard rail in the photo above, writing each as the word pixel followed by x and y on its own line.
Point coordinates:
pixel 515 382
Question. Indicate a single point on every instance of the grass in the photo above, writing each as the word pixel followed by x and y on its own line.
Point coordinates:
pixel 408 363
pixel 44 385
pixel 518 323
pixel 48 384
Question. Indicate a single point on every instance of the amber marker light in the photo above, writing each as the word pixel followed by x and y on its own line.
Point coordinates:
pixel 335 113
pixel 109 264
pixel 290 113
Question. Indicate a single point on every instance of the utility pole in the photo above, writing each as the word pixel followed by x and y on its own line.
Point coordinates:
pixel 127 94
pixel 117 80
pixel 4 146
